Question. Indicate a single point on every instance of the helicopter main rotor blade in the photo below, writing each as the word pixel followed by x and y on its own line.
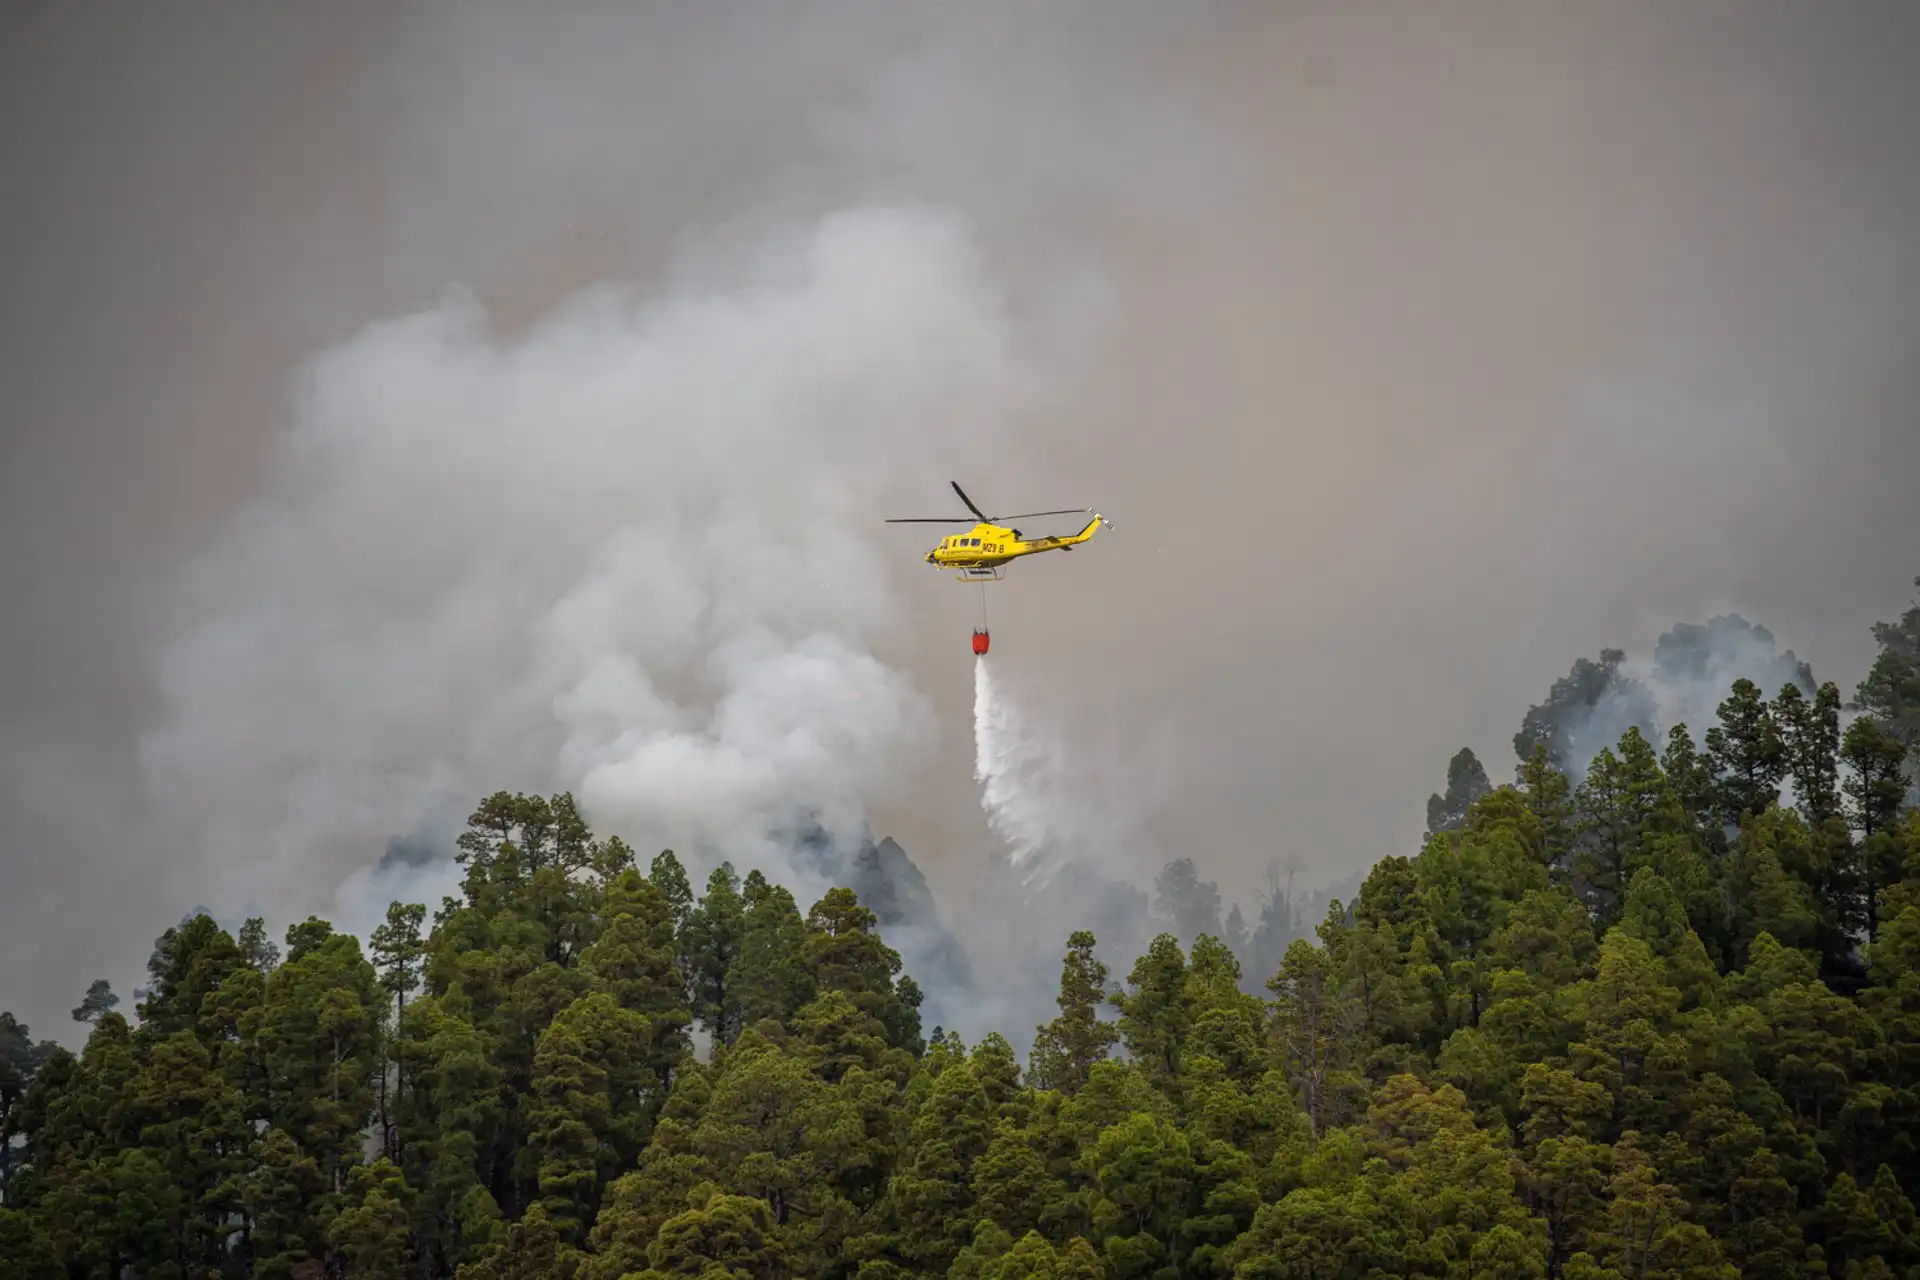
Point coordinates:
pixel 930 520
pixel 1067 511
pixel 969 501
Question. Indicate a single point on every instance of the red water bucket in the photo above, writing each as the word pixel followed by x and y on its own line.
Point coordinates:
pixel 979 644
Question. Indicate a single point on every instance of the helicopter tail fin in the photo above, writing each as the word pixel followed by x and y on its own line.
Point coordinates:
pixel 1093 527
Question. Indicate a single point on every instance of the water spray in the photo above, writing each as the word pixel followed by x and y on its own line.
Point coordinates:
pixel 1016 771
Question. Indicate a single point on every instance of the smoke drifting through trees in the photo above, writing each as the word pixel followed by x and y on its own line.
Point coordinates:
pixel 1658 1023
pixel 976 962
pixel 596 556
pixel 1692 669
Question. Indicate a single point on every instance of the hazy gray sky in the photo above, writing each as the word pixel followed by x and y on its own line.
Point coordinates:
pixel 1414 351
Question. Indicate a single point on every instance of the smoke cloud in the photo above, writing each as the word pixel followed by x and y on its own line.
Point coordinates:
pixel 1681 683
pixel 628 553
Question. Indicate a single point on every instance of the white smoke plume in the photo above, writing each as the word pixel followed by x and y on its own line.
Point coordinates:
pixel 629 553
pixel 1695 666
pixel 1690 672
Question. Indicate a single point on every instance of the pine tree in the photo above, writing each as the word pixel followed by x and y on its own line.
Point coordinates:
pixel 1890 694
pixel 1653 914
pixel 319 1034
pixel 278 1197
pixel 1550 799
pixel 933 1189
pixel 371 1236
pixel 20 1062
pixel 1764 1239
pixel 1315 1023
pixel 1618 811
pixel 671 879
pixel 1876 789
pixel 634 963
pixel 1560 724
pixel 635 956
pixel 1466 783
pixel 1234 934
pixel 98 1001
pixel 1810 739
pixel 1277 927
pixel 710 946
pixel 398 952
pixel 256 947
pixel 188 962
pixel 1749 759
pixel 1066 1049
pixel 1154 1013
pixel 1188 905
pixel 727 1235
pixel 1688 774
pixel 771 978
pixel 594 1093
pixel 193 1123
pixel 28 1247
pixel 1874 793
pixel 845 953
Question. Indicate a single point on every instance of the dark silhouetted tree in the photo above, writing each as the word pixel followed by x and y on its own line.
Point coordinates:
pixel 1466 783
pixel 99 1000
pixel 1187 904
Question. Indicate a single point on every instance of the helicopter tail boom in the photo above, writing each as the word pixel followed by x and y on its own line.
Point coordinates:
pixel 1068 541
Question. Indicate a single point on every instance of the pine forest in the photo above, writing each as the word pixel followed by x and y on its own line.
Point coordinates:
pixel 1649 1015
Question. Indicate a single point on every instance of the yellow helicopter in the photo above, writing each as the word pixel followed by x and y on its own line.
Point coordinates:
pixel 982 553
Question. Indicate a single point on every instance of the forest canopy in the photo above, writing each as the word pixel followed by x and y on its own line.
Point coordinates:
pixel 1659 1021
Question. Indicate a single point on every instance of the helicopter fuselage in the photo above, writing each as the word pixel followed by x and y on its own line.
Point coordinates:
pixel 979 552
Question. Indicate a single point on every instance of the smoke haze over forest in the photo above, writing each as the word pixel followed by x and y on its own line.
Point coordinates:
pixel 403 403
